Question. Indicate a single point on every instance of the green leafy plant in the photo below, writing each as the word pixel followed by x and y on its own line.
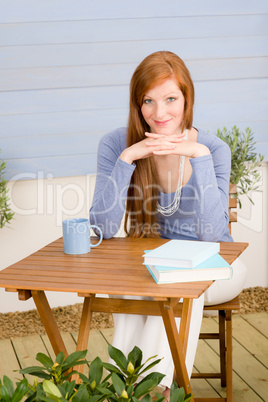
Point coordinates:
pixel 10 394
pixel 125 375
pixel 245 162
pixel 120 384
pixel 59 371
pixel 5 212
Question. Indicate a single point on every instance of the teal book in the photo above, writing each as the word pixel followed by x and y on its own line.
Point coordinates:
pixel 181 253
pixel 213 268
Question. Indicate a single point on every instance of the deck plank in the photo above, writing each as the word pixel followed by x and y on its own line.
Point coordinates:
pixel 27 348
pixel 251 370
pixel 259 321
pixel 250 373
pixel 206 353
pixel 108 334
pixel 8 361
pixel 251 339
pixel 202 389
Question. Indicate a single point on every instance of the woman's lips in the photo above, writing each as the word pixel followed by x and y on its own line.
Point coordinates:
pixel 161 123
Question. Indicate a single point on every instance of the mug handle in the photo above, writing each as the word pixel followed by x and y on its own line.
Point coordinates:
pixel 101 236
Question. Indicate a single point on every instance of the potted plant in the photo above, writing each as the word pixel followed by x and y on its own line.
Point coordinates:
pixel 245 162
pixel 120 384
pixel 5 212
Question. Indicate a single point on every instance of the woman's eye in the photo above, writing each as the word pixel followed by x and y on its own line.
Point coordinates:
pixel 147 101
pixel 171 99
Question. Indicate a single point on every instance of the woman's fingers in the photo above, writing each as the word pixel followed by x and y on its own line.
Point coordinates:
pixel 173 137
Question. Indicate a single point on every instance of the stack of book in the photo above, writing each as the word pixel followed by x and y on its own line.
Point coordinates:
pixel 186 261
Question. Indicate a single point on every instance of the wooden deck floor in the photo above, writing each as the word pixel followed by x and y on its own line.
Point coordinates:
pixel 250 351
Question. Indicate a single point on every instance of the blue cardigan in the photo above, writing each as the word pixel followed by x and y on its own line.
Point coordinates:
pixel 203 210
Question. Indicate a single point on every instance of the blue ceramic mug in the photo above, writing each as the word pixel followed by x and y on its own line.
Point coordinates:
pixel 76 236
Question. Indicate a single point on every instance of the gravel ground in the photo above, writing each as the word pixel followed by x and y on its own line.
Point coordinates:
pixel 68 317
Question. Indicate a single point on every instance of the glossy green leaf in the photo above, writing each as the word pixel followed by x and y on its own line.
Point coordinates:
pixel 144 387
pixel 159 397
pixel 40 374
pixel 20 391
pixel 51 389
pixel 118 384
pixel 104 391
pixel 44 398
pixel 188 398
pixel 154 363
pixel 81 395
pixel 4 394
pixel 110 367
pixel 32 369
pixel 96 370
pixel 45 360
pixel 177 395
pixel 8 384
pixel 60 358
pixel 135 356
pixel 75 357
pixel 32 398
pixel 146 398
pixel 118 357
pixel 94 398
pixel 158 377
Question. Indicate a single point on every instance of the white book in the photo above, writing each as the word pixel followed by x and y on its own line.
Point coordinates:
pixel 181 253
pixel 214 268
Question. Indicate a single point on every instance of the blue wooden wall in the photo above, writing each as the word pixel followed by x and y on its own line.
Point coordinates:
pixel 65 67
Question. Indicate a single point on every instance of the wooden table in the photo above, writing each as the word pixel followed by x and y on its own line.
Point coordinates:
pixel 113 268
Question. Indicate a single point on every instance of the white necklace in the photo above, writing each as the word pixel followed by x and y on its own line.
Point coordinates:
pixel 174 205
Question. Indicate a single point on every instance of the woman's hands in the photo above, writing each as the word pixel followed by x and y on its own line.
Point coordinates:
pixel 159 144
pixel 186 148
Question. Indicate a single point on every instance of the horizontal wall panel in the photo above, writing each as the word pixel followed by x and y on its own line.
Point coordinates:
pixel 227 111
pixel 50 145
pixel 19 102
pixel 96 121
pixel 65 77
pixel 232 91
pixel 262 148
pixel 44 33
pixel 66 10
pixel 64 166
pixel 228 69
pixel 120 74
pixel 130 52
pixel 43 101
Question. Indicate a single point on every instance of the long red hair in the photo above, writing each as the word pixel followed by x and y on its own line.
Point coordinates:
pixel 140 218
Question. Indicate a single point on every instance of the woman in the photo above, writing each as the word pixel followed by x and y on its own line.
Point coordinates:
pixel 171 181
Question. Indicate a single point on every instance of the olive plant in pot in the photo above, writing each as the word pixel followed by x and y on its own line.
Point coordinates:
pixel 245 162
pixel 5 212
pixel 120 383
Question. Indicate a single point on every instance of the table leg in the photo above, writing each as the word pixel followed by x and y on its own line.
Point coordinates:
pixel 186 314
pixel 84 329
pixel 176 346
pixel 49 322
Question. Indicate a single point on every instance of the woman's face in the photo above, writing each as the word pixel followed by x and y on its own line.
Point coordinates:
pixel 163 108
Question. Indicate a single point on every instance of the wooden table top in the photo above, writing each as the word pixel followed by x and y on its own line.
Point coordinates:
pixel 115 268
